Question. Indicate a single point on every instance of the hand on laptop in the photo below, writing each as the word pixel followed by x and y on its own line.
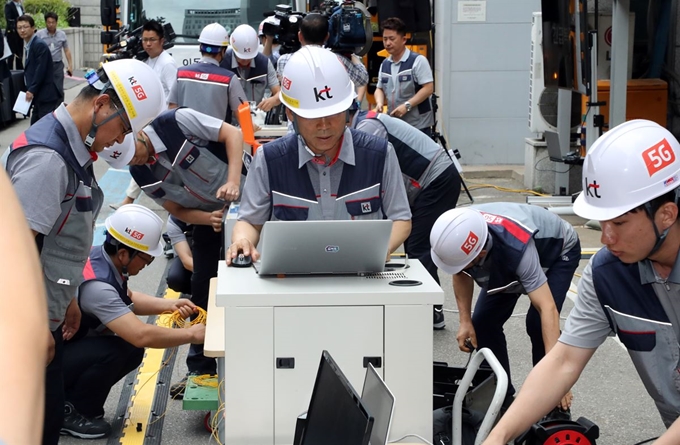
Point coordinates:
pixel 243 246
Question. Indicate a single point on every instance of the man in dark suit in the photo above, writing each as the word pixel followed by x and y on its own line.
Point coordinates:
pixel 13 10
pixel 38 73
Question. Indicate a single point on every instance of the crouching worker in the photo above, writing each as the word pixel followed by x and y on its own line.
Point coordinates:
pixel 111 339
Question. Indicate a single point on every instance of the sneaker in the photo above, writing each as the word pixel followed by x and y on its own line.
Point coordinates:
pixel 80 426
pixel 439 321
pixel 177 389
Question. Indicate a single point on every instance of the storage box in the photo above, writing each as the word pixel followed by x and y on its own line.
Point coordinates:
pixel 645 99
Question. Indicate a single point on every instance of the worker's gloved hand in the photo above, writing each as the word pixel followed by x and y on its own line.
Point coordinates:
pixel 466 332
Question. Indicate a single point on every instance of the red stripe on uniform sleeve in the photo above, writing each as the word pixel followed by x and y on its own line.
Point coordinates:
pixel 513 228
pixel 208 77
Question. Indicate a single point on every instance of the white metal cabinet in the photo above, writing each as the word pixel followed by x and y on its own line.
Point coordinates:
pixel 298 317
pixel 301 333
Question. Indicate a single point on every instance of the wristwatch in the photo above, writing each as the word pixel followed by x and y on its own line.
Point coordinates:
pixel 408 106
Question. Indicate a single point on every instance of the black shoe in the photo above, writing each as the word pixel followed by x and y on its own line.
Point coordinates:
pixel 439 321
pixel 557 414
pixel 177 389
pixel 80 426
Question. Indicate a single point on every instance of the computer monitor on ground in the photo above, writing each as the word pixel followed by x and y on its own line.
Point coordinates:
pixel 379 401
pixel 336 415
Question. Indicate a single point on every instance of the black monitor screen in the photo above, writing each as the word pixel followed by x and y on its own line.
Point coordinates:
pixel 336 415
pixel 558 43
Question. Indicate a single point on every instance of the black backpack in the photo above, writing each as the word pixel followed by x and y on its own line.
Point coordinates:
pixel 443 426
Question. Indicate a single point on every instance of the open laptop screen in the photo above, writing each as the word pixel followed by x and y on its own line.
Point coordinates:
pixel 323 247
pixel 379 401
pixel 336 414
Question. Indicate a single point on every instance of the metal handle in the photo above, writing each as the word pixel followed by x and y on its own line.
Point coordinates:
pixel 496 401
pixel 285 362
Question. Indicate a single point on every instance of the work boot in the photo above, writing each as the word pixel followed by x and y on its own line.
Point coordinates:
pixel 80 426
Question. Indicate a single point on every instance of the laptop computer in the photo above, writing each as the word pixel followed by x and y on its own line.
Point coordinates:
pixel 336 415
pixel 323 247
pixel 379 401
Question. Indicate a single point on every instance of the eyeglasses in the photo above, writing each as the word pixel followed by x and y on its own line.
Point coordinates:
pixel 21 28
pixel 148 259
pixel 127 128
pixel 150 39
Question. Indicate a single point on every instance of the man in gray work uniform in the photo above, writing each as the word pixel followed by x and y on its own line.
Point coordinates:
pixel 50 166
pixel 56 41
pixel 309 174
pixel 508 249
pixel 205 86
pixel 254 70
pixel 631 288
pixel 406 82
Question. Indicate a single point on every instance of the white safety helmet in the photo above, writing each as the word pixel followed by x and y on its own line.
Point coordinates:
pixel 214 34
pixel 316 84
pixel 457 238
pixel 244 42
pixel 137 227
pixel 626 167
pixel 119 155
pixel 139 90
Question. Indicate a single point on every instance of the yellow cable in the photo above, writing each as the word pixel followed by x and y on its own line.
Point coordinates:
pixel 176 320
pixel 476 185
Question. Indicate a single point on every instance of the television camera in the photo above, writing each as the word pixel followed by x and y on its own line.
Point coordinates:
pixel 284 25
pixel 129 44
pixel 349 27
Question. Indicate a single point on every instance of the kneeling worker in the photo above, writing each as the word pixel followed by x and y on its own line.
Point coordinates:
pixel 310 174
pixel 508 249
pixel 111 339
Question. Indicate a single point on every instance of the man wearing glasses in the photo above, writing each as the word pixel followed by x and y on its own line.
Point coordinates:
pixel 111 339
pixel 50 166
pixel 38 72
pixel 160 61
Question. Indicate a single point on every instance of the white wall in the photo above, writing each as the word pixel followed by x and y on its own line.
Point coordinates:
pixel 482 76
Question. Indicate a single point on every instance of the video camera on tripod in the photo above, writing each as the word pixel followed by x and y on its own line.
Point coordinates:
pixel 130 46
